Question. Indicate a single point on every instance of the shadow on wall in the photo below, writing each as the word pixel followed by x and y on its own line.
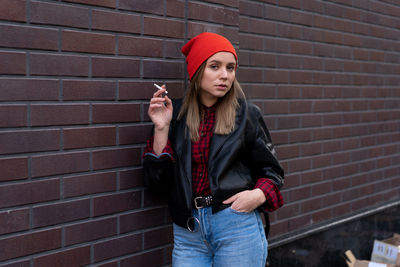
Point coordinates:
pixel 326 248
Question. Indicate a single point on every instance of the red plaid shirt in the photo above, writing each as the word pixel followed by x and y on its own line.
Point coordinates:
pixel 200 153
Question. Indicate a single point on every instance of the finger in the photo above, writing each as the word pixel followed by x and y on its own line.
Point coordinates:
pixel 168 101
pixel 230 200
pixel 159 93
pixel 157 100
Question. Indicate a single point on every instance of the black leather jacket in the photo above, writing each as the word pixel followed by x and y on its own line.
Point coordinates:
pixel 236 161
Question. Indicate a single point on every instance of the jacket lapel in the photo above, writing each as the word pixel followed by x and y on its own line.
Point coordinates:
pixel 218 140
pixel 183 149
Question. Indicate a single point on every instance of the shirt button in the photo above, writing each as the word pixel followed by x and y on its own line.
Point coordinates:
pixel 201 175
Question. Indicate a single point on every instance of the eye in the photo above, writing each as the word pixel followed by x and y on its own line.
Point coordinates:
pixel 230 68
pixel 214 67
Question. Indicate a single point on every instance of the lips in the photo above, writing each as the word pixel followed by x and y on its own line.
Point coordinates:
pixel 224 86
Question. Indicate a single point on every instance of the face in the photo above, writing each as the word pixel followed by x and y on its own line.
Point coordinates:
pixel 218 77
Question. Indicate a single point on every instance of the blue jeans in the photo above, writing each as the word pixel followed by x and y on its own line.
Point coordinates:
pixel 226 238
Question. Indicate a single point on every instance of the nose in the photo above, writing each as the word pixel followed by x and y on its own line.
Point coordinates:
pixel 224 73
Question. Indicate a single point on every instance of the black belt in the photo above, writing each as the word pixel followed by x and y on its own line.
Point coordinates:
pixel 203 202
pixel 208 201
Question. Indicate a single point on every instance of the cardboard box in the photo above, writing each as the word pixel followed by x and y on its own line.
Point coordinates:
pixel 353 262
pixel 387 251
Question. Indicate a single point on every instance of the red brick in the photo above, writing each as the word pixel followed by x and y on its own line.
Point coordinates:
pixel 59 65
pixel 29 192
pixel 172 49
pixel 89 231
pixel 215 14
pixel 114 203
pixel 60 163
pixel 115 67
pixel 153 7
pixel 321 189
pixel 341 210
pixel 13 169
pixel 276 13
pixel 134 134
pixel 139 46
pixel 27 244
pixel 12 62
pixel 263 27
pixel 114 158
pixel 311 177
pixel 163 27
pixel 105 3
pixel 251 42
pixel 14 10
pixel 131 179
pixel 144 90
pixel 142 219
pixel 115 21
pixel 259 91
pixel 60 213
pixel 276 76
pixel 88 42
pixel 299 136
pixel 73 257
pixel 147 259
pixel 322 215
pixel 251 9
pixel 288 122
pixel 29 141
pixel 158 237
pixel 89 184
pixel 28 89
pixel 116 113
pixel 88 90
pixel 117 247
pixel 321 161
pixel 28 37
pixel 250 75
pixel 58 14
pixel 14 221
pixel 162 69
pixel 55 114
pixel 175 8
pixel 13 115
pixel 288 211
pixel 89 137
pixel 262 59
pixel 311 205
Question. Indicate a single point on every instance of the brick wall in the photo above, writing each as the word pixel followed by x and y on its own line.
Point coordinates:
pixel 75 79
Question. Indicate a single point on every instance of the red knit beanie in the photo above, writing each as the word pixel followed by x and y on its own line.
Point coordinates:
pixel 203 46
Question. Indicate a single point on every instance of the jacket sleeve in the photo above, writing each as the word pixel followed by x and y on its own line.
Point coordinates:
pixel 262 155
pixel 158 172
pixel 159 169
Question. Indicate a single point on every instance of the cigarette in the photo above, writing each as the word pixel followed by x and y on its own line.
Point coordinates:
pixel 160 88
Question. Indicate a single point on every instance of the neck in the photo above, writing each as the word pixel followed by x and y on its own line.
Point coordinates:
pixel 208 101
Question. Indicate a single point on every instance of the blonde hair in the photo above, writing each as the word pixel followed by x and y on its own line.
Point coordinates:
pixel 225 110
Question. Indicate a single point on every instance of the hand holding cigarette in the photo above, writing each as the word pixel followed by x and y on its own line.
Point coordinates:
pixel 160 88
pixel 160 109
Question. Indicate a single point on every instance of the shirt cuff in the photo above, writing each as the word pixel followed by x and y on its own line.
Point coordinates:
pixel 166 152
pixel 273 196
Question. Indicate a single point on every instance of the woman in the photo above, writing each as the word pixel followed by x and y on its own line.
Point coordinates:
pixel 212 154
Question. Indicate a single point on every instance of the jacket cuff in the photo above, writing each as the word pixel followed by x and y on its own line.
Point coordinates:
pixel 167 151
pixel 273 197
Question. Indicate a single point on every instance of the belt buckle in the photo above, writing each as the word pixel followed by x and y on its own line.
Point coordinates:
pixel 195 203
